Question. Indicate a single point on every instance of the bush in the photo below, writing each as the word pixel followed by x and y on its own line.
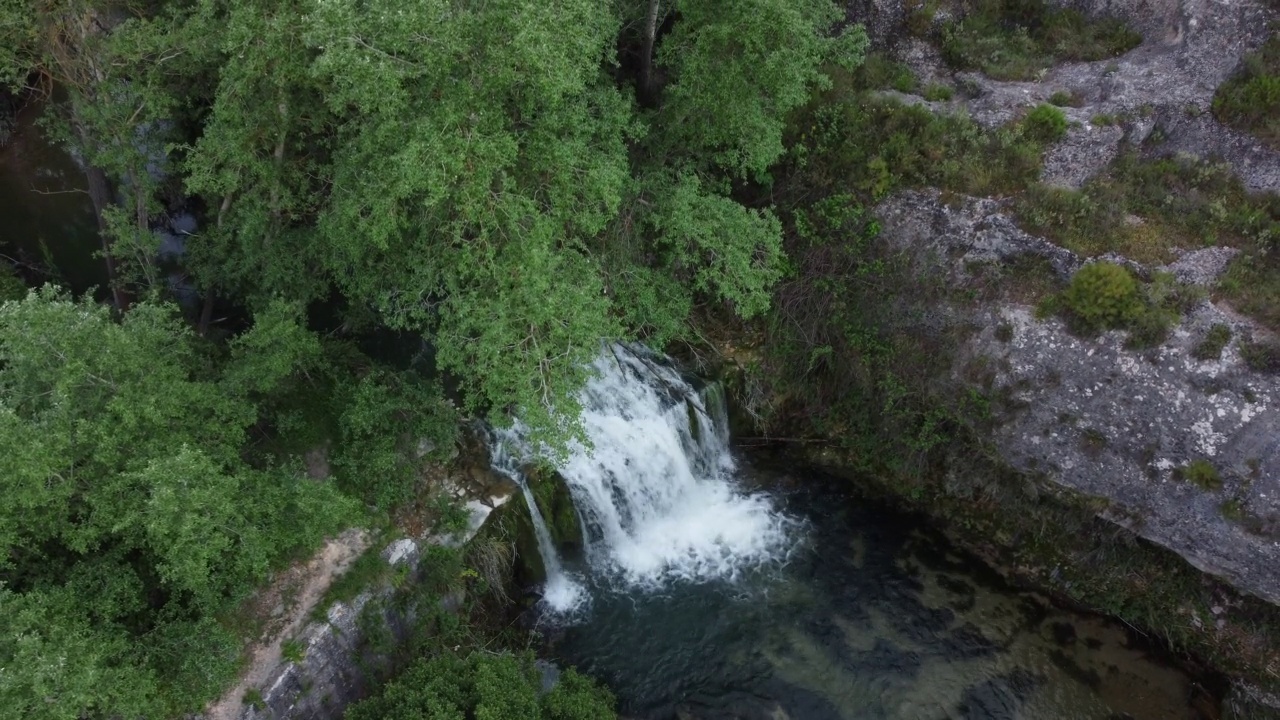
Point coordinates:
pixel 1250 100
pixel 484 685
pixel 1018 39
pixel 1064 98
pixel 875 144
pixel 1261 356
pixel 1202 473
pixel 1212 344
pixel 1102 295
pixel 1045 123
pixel 935 92
pixel 878 72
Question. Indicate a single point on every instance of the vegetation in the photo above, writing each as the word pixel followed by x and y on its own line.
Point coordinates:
pixel 1046 123
pixel 1250 100
pixel 1213 343
pixel 1019 39
pixel 1101 296
pixel 504 185
pixel 484 685
pixel 1202 473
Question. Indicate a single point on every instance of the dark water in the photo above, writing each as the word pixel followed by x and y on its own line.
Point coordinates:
pixel 872 617
pixel 47 224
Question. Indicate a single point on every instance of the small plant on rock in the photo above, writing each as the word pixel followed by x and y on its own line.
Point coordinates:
pixel 1102 295
pixel 1202 472
pixel 1045 123
pixel 293 651
pixel 1212 344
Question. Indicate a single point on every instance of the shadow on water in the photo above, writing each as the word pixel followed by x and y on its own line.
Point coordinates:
pixel 47 224
pixel 873 616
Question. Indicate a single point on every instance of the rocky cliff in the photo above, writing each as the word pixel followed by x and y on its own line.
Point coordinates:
pixel 1183 450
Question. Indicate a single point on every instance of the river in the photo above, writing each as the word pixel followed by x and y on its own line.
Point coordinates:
pixel 714 589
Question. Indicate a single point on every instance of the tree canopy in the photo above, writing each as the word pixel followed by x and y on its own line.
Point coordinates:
pixel 482 176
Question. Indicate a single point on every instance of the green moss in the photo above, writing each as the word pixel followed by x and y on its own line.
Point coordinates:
pixel 1019 39
pixel 1045 123
pixel 1202 473
pixel 1250 99
pixel 1212 344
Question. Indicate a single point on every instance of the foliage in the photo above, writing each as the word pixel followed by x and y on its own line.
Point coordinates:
pixel 1250 99
pixel 1045 123
pixel 1142 208
pixel 1064 98
pixel 131 517
pixel 878 72
pixel 874 145
pixel 1261 356
pixel 486 686
pixel 1212 344
pixel 1202 473
pixel 1019 39
pixel 1102 295
pixel 936 92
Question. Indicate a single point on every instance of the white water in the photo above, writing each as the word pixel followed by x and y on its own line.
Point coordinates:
pixel 656 494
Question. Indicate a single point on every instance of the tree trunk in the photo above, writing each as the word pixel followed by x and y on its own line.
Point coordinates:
pixel 646 56
pixel 100 194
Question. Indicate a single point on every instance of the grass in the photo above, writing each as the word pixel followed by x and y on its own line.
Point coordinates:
pixel 1020 39
pixel 1106 296
pixel 1142 209
pixel 878 72
pixel 293 650
pixel 851 140
pixel 1213 343
pixel 1066 98
pixel 936 92
pixel 1261 357
pixel 1202 473
pixel 1250 99
pixel 367 570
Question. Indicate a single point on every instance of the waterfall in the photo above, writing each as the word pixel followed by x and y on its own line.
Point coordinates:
pixel 656 489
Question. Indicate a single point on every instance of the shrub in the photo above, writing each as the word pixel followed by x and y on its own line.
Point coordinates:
pixel 1250 100
pixel 1212 344
pixel 1102 295
pixel 935 92
pixel 1045 123
pixel 1203 473
pixel 1261 356
pixel 878 72
pixel 1018 39
pixel 1104 120
pixel 1064 98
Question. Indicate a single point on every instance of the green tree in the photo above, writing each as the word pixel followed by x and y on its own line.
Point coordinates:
pixel 130 511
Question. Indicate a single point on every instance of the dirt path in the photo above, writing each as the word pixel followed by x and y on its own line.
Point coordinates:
pixel 289 598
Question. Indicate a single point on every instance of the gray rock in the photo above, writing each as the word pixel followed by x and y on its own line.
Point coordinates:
pixel 1114 423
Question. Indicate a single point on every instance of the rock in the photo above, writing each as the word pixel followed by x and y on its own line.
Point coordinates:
pixel 1201 267
pixel 1112 423
pixel 336 661
pixel 403 550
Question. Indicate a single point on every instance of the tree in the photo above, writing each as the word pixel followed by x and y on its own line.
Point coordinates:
pixel 130 510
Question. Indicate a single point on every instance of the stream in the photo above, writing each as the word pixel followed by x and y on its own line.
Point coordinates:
pixel 710 588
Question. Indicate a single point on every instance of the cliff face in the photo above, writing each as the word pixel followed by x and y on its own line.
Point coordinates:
pixel 1114 423
pixel 1134 428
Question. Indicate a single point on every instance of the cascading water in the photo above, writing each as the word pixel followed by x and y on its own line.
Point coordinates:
pixel 655 490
